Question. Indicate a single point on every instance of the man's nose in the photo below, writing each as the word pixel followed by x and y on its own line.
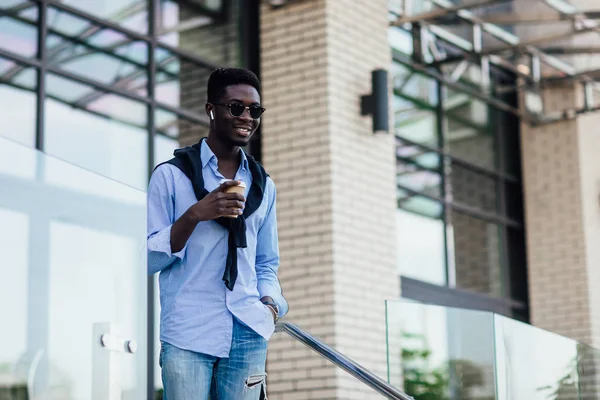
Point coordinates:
pixel 246 115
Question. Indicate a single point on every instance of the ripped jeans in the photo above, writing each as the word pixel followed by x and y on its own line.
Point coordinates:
pixel 187 375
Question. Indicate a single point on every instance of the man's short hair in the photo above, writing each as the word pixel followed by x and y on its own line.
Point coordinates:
pixel 220 78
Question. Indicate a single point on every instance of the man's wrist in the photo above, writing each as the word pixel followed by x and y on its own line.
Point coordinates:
pixel 193 216
pixel 268 301
pixel 273 311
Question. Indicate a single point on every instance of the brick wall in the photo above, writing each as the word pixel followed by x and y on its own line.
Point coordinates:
pixel 336 193
pixel 561 174
pixel 296 152
pixel 364 198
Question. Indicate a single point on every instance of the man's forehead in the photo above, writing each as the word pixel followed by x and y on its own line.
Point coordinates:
pixel 242 89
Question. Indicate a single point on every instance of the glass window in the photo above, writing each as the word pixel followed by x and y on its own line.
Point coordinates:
pixel 400 40
pixel 477 254
pixel 99 54
pixel 108 135
pixel 419 126
pixel 474 189
pixel 507 133
pixel 514 200
pixel 18 28
pixel 172 129
pixel 18 102
pixel 420 247
pixel 469 134
pixel 414 86
pixel 410 201
pixel 203 28
pixel 415 177
pixel 409 152
pixel 181 83
pixel 131 14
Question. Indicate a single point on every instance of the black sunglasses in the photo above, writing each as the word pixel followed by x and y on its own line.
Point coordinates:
pixel 237 109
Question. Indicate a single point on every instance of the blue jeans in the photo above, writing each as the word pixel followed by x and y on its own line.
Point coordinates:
pixel 187 375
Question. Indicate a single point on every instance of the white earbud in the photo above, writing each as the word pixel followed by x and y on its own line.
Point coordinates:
pixel 212 116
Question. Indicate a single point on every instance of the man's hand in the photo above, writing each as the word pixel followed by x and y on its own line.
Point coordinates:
pixel 268 301
pixel 218 204
pixel 214 205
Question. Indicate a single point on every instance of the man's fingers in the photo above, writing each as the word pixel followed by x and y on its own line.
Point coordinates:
pixel 235 196
pixel 234 204
pixel 227 212
pixel 225 185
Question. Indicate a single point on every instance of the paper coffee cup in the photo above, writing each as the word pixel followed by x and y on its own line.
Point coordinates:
pixel 241 189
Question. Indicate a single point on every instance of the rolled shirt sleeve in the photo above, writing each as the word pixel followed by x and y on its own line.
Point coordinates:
pixel 161 216
pixel 267 256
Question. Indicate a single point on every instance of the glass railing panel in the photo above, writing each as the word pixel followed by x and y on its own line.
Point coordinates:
pixel 439 352
pixel 588 372
pixel 74 268
pixel 534 364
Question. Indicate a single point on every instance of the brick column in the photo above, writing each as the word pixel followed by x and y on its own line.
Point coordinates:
pixel 336 190
pixel 561 171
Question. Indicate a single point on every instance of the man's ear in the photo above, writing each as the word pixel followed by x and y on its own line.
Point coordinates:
pixel 210 111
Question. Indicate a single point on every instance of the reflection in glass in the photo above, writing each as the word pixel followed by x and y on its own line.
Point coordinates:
pixel 169 127
pixel 535 364
pixel 203 28
pixel 414 86
pixel 408 152
pixel 419 204
pixel 107 136
pixel 420 247
pixel 18 30
pixel 474 188
pixel 18 102
pixel 419 126
pixel 470 136
pixel 181 82
pixel 416 178
pixel 588 367
pixel 163 148
pixel 14 243
pixel 131 14
pixel 400 39
pixel 440 352
pixel 101 54
pixel 173 126
pixel 75 260
pixel 478 255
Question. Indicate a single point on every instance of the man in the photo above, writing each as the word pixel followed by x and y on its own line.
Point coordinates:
pixel 217 253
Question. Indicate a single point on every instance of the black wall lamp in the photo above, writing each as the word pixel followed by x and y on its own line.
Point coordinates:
pixel 376 103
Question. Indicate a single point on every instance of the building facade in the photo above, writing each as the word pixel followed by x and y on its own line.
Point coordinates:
pixel 465 202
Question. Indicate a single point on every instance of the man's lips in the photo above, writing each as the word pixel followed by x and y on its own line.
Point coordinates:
pixel 242 130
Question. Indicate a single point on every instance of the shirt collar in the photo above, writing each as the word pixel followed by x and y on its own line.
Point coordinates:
pixel 206 155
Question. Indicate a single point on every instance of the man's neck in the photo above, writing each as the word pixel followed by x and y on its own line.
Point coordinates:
pixel 222 151
pixel 228 157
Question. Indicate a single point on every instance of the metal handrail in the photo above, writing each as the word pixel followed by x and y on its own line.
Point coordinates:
pixel 343 362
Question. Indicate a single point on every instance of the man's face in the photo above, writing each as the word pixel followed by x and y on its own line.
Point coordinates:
pixel 236 130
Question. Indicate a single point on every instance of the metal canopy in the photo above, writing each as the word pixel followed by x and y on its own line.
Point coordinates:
pixel 543 42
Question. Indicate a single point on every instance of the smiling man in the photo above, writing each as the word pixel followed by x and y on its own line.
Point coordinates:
pixel 217 253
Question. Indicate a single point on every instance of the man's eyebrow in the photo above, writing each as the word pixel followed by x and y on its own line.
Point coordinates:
pixel 242 102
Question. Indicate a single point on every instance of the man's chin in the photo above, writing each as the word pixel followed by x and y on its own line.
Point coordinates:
pixel 240 140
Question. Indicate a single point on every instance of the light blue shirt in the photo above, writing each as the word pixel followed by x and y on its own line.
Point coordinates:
pixel 197 309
